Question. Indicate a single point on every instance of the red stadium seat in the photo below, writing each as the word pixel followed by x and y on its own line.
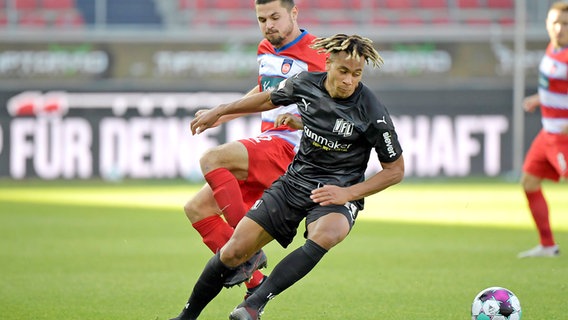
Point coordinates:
pixel 3 19
pixel 469 4
pixel 507 21
pixel 433 4
pixel 25 4
pixel 477 21
pixel 381 20
pixel 57 4
pixel 32 19
pixel 303 4
pixel 330 4
pixel 185 4
pixel 231 4
pixel 501 4
pixel 399 4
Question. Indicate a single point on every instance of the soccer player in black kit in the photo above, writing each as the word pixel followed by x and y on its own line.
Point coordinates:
pixel 342 121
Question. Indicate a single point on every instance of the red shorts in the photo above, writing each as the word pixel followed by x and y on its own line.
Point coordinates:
pixel 269 158
pixel 547 156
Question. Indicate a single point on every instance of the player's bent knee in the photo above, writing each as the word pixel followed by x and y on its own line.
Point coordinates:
pixel 212 159
pixel 194 212
pixel 328 239
pixel 232 257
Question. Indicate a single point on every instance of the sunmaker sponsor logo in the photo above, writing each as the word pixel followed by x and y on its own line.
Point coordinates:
pixel 325 143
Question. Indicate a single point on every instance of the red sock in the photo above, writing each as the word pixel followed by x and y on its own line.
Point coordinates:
pixel 214 231
pixel 256 279
pixel 227 193
pixel 539 211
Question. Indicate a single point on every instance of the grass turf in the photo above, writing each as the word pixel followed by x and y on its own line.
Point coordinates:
pixel 90 250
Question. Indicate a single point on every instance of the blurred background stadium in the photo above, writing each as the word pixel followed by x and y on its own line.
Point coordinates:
pixel 101 88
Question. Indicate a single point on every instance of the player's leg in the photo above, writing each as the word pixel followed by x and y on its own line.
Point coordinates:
pixel 536 168
pixel 223 166
pixel 248 238
pixel 327 230
pixel 205 217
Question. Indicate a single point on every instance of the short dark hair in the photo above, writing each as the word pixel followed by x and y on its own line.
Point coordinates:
pixel 560 6
pixel 288 4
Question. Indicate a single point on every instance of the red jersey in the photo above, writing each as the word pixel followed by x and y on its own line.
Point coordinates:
pixel 553 89
pixel 276 65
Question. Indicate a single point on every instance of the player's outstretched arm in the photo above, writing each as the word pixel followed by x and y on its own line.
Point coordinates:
pixel 252 103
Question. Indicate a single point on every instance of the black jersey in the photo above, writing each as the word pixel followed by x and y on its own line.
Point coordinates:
pixel 338 134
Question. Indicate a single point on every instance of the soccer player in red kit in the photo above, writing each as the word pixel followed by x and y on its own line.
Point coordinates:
pixel 548 155
pixel 238 172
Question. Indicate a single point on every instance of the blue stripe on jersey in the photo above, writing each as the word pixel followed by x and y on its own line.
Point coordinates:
pixel 304 32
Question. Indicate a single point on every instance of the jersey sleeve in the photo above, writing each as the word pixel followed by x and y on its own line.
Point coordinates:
pixel 284 94
pixel 382 134
pixel 387 146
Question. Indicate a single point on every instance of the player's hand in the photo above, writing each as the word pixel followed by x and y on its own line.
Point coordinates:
pixel 204 119
pixel 530 103
pixel 330 194
pixel 290 120
pixel 200 112
pixel 564 129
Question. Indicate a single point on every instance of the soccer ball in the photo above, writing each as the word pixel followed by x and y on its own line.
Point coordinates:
pixel 496 303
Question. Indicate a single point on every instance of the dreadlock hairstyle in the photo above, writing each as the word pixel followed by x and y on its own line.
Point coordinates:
pixel 355 46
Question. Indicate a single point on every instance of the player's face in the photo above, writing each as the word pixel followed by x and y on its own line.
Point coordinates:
pixel 343 74
pixel 557 27
pixel 276 23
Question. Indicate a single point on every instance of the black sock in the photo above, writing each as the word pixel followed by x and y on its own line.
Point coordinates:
pixel 287 272
pixel 207 287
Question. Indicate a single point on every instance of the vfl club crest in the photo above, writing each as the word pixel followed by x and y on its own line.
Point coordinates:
pixel 286 66
pixel 343 127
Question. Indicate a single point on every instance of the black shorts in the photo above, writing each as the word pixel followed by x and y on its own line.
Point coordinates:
pixel 284 205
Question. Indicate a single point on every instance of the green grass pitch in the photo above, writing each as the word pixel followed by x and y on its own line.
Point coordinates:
pixel 420 250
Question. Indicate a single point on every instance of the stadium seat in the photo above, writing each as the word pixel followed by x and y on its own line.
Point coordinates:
pixel 477 21
pixel 501 4
pixel 381 20
pixel 303 4
pixel 440 20
pixel 330 4
pixel 507 21
pixel 3 19
pixel 35 19
pixel 185 4
pixel 468 4
pixel 57 4
pixel 25 4
pixel 433 4
pixel 399 4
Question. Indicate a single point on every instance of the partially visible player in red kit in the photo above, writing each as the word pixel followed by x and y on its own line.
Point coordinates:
pixel 239 171
pixel 548 155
